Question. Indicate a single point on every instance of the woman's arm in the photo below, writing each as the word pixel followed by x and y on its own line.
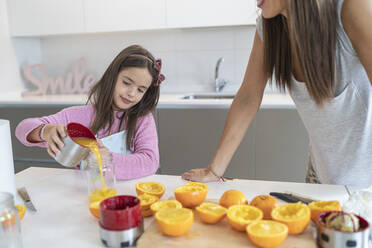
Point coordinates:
pixel 144 160
pixel 242 111
pixel 356 18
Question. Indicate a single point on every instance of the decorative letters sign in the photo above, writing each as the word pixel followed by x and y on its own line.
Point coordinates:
pixel 73 83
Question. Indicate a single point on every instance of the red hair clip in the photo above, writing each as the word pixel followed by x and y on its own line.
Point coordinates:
pixel 161 77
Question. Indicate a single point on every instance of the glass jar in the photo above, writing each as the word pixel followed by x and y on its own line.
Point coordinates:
pixel 98 190
pixel 10 231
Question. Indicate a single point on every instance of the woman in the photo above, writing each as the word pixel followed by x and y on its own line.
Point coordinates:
pixel 321 52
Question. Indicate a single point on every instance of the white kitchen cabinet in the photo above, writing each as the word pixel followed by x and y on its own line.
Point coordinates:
pixel 119 15
pixel 45 17
pixel 55 17
pixel 25 156
pixel 196 13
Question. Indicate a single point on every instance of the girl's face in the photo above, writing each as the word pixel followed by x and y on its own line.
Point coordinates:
pixel 131 85
pixel 272 8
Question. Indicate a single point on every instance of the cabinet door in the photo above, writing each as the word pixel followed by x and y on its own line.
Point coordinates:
pixel 25 156
pixel 196 13
pixel 119 15
pixel 188 139
pixel 45 17
pixel 281 146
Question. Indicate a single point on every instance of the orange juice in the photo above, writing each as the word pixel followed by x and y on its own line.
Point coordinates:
pixel 92 145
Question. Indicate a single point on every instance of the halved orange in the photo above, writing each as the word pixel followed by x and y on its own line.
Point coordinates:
pixel 94 208
pixel 210 213
pixel 101 194
pixel 165 204
pixel 267 233
pixel 191 194
pixel 147 212
pixel 240 216
pixel 21 211
pixel 317 207
pixel 295 215
pixel 8 218
pixel 174 221
pixel 147 200
pixel 232 197
pixel 151 188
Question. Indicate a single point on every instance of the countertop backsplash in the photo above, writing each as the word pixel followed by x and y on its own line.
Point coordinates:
pixel 189 55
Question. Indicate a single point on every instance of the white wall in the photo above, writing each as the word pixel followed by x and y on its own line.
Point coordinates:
pixel 10 80
pixel 189 55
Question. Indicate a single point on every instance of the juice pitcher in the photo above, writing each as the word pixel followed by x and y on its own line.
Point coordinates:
pixel 10 231
pixel 101 182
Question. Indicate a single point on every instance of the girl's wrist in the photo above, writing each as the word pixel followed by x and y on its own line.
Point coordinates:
pixel 41 132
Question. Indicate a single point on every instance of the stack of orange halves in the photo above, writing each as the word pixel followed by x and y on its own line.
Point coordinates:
pixel 266 222
pixel 149 193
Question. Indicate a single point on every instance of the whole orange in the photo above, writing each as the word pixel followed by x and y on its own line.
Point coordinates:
pixel 232 197
pixel 266 203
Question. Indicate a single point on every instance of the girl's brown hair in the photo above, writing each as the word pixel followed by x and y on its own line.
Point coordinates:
pixel 311 29
pixel 101 94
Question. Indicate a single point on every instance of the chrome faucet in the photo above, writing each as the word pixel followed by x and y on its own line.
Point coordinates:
pixel 220 83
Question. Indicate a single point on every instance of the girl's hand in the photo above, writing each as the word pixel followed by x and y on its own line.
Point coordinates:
pixel 200 175
pixel 101 146
pixel 104 152
pixel 53 135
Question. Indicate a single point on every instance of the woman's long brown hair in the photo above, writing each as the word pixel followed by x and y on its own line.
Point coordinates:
pixel 311 28
pixel 102 93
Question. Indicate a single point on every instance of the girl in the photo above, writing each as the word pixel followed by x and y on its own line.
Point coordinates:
pixel 119 113
pixel 321 52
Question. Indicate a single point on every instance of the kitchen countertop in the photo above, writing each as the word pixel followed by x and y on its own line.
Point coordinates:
pixel 269 101
pixel 61 199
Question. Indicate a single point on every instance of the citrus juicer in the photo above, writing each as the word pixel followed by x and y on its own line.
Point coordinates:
pixel 121 222
pixel 72 153
pixel 331 238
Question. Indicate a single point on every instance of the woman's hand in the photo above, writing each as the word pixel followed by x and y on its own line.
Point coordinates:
pixel 202 175
pixel 53 135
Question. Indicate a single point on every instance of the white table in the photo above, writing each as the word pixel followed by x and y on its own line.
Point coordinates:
pixel 61 199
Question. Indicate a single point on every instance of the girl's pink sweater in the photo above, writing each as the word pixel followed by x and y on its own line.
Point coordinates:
pixel 144 159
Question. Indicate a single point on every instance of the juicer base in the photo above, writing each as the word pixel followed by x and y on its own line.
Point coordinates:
pixel 118 239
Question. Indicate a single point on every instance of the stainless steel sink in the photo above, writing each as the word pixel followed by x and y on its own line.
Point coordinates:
pixel 208 96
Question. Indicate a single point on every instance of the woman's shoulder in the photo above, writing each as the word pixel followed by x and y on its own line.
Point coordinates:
pixel 355 17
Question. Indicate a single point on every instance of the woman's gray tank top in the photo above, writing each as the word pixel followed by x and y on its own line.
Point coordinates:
pixel 340 132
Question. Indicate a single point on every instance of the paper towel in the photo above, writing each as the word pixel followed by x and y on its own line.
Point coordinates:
pixel 7 181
